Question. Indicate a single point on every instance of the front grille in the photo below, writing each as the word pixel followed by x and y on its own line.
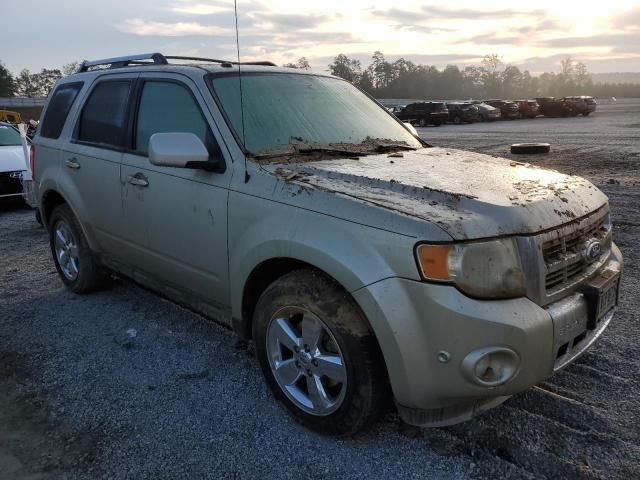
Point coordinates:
pixel 10 183
pixel 563 259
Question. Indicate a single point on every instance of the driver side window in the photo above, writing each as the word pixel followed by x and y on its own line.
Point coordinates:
pixel 170 107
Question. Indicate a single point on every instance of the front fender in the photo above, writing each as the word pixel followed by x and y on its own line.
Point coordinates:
pixel 355 255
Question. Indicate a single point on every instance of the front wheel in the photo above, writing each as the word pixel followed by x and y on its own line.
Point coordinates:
pixel 318 354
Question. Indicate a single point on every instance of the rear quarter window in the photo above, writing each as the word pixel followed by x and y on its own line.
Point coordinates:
pixel 59 105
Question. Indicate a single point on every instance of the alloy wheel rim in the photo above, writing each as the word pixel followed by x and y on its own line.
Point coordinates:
pixel 66 249
pixel 306 361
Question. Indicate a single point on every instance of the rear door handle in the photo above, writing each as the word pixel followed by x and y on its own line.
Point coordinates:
pixel 138 179
pixel 72 163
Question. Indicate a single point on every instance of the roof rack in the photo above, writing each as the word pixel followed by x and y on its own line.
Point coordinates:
pixel 155 59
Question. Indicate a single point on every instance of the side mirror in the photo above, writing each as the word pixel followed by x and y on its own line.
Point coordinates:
pixel 177 149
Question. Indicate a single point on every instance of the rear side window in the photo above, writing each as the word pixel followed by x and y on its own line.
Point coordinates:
pixel 59 105
pixel 169 107
pixel 104 114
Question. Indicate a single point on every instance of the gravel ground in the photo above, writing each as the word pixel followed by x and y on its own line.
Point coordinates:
pixel 124 384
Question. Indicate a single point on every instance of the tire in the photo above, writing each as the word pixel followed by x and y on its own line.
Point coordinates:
pixel 422 122
pixel 457 120
pixel 586 114
pixel 308 301
pixel 437 124
pixel 528 148
pixel 77 265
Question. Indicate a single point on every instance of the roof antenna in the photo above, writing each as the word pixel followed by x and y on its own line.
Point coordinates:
pixel 244 143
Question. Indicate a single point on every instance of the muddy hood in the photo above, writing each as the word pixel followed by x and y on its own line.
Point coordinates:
pixel 469 195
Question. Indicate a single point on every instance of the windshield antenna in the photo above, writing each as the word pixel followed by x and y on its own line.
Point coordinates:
pixel 244 143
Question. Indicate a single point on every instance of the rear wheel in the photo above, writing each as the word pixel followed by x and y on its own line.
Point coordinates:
pixel 318 354
pixel 457 120
pixel 422 122
pixel 76 263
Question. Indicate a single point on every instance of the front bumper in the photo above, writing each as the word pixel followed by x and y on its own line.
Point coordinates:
pixel 427 330
pixel 10 184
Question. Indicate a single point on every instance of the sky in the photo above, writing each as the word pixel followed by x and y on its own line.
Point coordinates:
pixel 532 35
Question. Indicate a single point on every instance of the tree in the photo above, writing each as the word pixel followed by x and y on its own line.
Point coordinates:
pixel 69 68
pixel 302 64
pixel 512 82
pixel 46 79
pixel 346 68
pixel 26 84
pixel 7 83
pixel 491 75
pixel 36 84
pixel 567 67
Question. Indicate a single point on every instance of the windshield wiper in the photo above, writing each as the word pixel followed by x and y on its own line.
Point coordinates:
pixel 385 147
pixel 333 150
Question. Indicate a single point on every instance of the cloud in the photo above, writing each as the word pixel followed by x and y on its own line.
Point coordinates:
pixel 440 13
pixel 293 20
pixel 138 26
pixel 629 20
pixel 604 40
pixel 201 8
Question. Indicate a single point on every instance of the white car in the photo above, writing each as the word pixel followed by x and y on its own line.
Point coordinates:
pixel 13 165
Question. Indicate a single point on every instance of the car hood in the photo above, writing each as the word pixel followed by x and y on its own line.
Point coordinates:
pixel 469 195
pixel 12 159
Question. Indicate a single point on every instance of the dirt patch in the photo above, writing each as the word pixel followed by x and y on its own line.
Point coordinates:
pixel 33 443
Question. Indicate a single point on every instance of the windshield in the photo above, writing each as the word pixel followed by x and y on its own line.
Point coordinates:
pixel 282 109
pixel 9 136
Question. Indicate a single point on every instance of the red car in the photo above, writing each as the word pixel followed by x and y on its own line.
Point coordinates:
pixel 528 108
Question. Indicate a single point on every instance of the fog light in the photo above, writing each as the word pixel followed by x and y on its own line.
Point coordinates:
pixel 491 366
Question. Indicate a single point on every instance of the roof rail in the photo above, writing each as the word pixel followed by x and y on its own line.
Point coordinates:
pixel 118 62
pixel 215 60
pixel 157 59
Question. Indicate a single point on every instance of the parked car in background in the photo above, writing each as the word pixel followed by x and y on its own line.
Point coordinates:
pixel 9 116
pixel 12 162
pixel 462 112
pixel 486 112
pixel 424 113
pixel 508 109
pixel 528 108
pixel 583 104
pixel 552 107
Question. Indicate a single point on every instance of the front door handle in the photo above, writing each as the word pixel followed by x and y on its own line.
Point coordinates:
pixel 138 179
pixel 72 163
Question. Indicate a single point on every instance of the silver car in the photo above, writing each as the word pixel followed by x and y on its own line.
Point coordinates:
pixel 13 165
pixel 364 264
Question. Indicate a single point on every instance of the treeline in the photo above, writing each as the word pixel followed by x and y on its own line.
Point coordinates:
pixel 403 79
pixel 31 84
pixel 491 79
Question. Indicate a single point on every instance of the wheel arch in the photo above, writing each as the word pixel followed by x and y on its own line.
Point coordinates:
pixel 263 275
pixel 49 200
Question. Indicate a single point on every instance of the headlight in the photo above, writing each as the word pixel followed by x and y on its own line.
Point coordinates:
pixel 488 269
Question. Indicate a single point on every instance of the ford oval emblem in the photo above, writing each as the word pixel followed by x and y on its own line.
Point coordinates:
pixel 592 250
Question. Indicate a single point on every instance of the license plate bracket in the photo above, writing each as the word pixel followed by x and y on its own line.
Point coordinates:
pixel 601 295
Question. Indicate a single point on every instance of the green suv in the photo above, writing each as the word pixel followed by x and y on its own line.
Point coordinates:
pixel 364 264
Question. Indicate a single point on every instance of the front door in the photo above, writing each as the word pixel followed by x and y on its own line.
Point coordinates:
pixel 177 217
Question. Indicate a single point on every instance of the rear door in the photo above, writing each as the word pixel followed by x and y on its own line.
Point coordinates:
pixel 90 164
pixel 176 217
